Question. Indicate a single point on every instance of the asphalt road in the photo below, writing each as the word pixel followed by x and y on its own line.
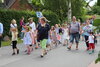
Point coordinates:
pixel 58 57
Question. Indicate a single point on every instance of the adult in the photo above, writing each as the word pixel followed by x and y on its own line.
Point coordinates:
pixel 74 30
pixel 13 24
pixel 1 32
pixel 43 29
pixel 86 30
pixel 32 24
pixel 22 25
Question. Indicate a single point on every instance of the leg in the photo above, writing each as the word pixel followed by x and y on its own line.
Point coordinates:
pixel 77 40
pixel 28 49
pixel 71 41
pixel 93 47
pixel 87 43
pixel 13 47
pixel 0 41
pixel 43 45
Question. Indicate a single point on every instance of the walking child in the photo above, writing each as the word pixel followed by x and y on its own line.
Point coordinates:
pixel 27 39
pixel 14 41
pixel 91 43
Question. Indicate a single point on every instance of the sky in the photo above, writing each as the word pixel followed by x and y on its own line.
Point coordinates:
pixel 92 2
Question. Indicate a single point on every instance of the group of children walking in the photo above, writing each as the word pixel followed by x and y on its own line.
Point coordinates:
pixel 41 35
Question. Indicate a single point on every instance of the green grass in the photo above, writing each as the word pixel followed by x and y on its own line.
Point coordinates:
pixel 8 43
pixel 98 59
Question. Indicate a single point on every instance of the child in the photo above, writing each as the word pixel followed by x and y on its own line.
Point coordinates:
pixel 65 36
pixel 27 39
pixel 53 35
pixel 14 41
pixel 91 43
pixel 33 38
pixel 49 41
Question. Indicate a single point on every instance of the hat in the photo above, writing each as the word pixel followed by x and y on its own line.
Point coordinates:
pixel 43 18
pixel 30 18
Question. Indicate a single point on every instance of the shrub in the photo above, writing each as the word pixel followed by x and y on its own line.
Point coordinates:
pixel 7 15
pixel 97 24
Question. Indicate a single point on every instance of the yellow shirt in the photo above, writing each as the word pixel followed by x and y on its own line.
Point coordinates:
pixel 14 36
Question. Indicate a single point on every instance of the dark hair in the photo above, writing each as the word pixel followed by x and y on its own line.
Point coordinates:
pixel 91 33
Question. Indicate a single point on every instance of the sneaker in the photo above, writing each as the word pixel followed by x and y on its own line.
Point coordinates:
pixel 36 47
pixel 92 51
pixel 41 56
pixel 68 48
pixel 18 51
pixel 13 53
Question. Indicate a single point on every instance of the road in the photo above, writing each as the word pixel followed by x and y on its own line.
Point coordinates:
pixel 57 57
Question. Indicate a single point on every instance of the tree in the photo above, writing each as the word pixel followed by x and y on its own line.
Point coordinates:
pixel 62 7
pixel 98 2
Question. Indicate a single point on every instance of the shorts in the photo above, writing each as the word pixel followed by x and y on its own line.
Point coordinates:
pixel 74 36
pixel 43 43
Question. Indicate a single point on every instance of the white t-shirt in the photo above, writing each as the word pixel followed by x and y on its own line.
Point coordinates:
pixel 32 25
pixel 13 25
pixel 91 39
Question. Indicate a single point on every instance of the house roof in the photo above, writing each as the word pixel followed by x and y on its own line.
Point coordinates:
pixel 11 2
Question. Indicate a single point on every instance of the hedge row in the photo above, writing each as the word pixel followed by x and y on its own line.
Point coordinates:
pixel 7 15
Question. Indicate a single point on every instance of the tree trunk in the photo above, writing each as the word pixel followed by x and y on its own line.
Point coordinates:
pixel 69 11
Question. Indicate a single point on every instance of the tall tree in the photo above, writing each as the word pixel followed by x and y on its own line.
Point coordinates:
pixel 63 8
pixel 98 2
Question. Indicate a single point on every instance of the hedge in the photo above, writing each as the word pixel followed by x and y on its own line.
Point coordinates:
pixel 7 15
pixel 96 22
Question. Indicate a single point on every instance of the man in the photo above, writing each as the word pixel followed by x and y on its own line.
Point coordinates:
pixel 1 32
pixel 74 30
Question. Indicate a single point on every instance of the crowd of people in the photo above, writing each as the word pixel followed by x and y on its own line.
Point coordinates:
pixel 46 37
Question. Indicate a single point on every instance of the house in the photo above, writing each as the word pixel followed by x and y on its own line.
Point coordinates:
pixel 17 4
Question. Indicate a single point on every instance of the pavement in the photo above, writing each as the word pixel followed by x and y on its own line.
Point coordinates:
pixel 57 57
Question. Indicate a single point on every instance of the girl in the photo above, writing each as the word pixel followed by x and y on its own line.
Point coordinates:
pixel 27 39
pixel 53 36
pixel 65 36
pixel 14 41
pixel 33 38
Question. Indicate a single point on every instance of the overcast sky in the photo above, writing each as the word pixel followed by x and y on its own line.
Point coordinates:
pixel 92 2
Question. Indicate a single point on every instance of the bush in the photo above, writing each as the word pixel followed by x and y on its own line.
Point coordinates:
pixel 97 24
pixel 7 15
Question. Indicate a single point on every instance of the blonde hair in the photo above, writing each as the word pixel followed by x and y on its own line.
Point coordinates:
pixel 13 21
pixel 28 28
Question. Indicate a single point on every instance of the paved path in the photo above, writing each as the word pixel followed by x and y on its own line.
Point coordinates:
pixel 58 57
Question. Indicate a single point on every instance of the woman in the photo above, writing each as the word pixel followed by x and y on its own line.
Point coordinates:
pixel 22 25
pixel 13 24
pixel 43 29
pixel 86 30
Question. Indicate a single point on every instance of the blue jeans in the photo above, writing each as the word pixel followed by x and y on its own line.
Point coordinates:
pixel 22 34
pixel 74 36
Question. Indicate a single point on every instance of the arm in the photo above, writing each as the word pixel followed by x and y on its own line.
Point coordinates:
pixel 1 29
